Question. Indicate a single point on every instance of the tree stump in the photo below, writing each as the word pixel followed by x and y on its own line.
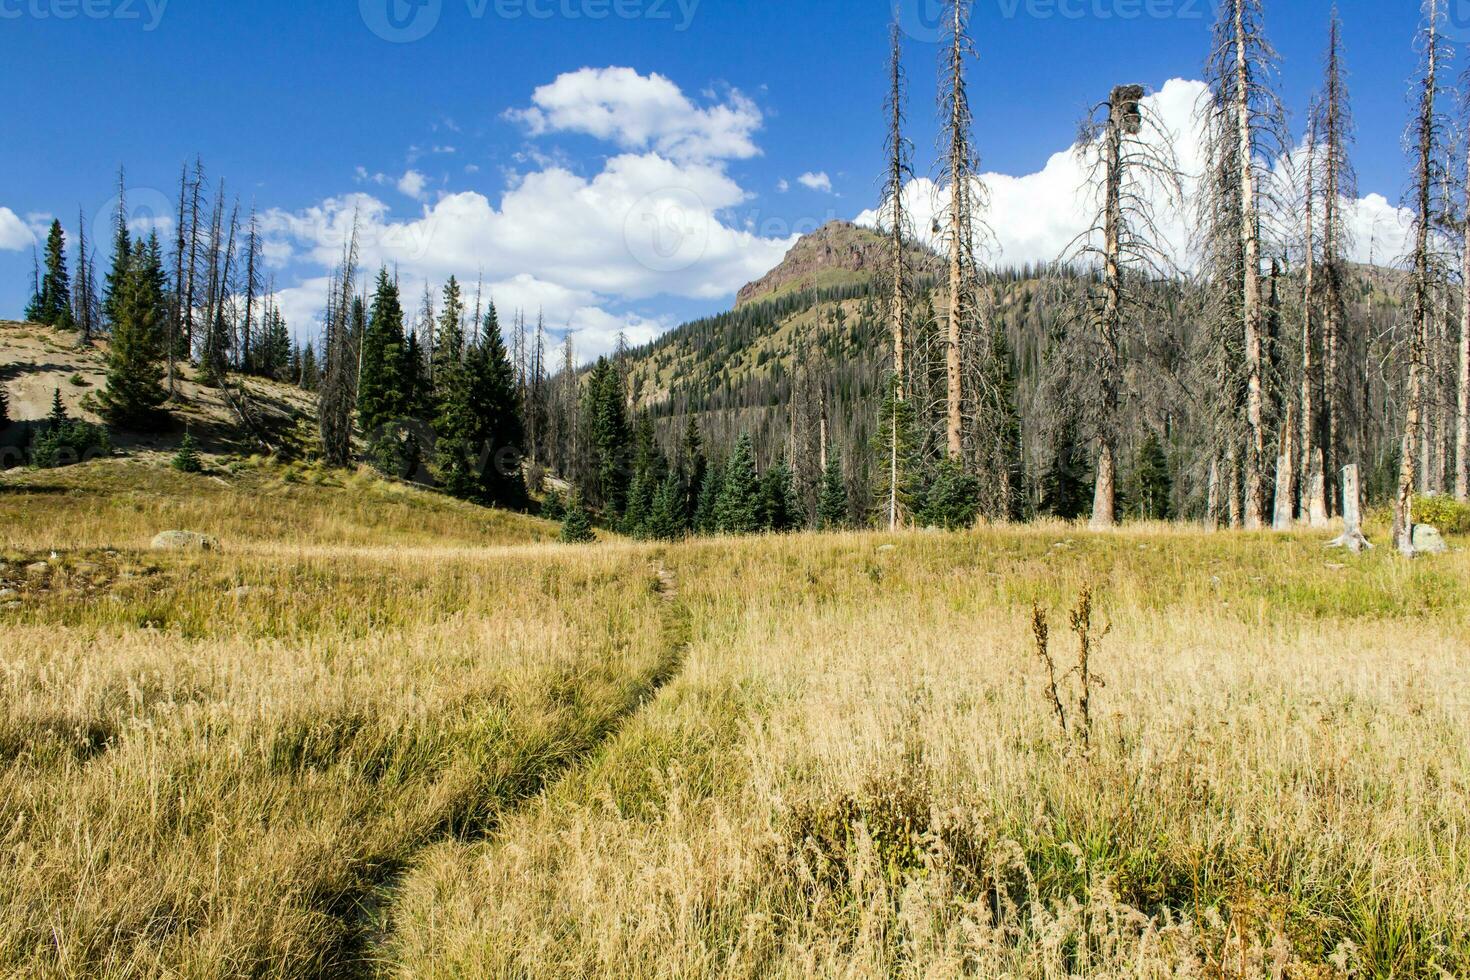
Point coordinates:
pixel 1352 514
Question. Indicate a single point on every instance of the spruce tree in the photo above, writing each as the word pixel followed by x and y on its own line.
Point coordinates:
pixel 609 437
pixel 57 418
pixel 692 468
pixel 576 527
pixel 1065 488
pixel 53 306
pixel 187 459
pixel 779 511
pixel 639 506
pixel 455 425
pixel 832 507
pixel 134 360
pixel 738 510
pixel 952 499
pixel 1150 493
pixel 380 396
pixel 706 512
pixel 500 436
pixel 276 356
pixel 310 379
pixel 667 520
pixel 417 392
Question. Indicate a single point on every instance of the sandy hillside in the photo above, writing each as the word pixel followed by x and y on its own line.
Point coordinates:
pixel 37 361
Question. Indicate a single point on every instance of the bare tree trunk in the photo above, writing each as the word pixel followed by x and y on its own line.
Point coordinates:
pixel 1314 485
pixel 1286 474
pixel 1336 182
pixel 1462 413
pixel 1212 498
pixel 1403 518
pixel 1232 489
pixel 1352 521
pixel 897 170
pixel 1255 448
pixel 1104 499
pixel 959 230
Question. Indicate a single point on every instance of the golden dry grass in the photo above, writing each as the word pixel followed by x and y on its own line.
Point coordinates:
pixel 411 751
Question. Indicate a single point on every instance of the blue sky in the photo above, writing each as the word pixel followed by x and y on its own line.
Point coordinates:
pixel 463 149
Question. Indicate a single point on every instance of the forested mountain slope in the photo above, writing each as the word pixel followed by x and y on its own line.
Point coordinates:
pixel 811 339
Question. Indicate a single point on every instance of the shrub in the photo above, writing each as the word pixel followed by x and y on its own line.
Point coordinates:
pixel 187 460
pixel 69 442
pixel 576 527
pixel 1447 514
pixel 554 507
pixel 952 500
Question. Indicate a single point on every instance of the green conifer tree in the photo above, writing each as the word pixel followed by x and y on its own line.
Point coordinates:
pixel 576 527
pixel 135 388
pixel 832 506
pixel 706 513
pixel 187 459
pixel 667 520
pixel 739 508
pixel 692 468
pixel 1066 490
pixel 311 374
pixel 609 436
pixel 53 306
pixel 500 436
pixel 952 499
pixel 57 418
pixel 779 511
pixel 1150 493
pixel 380 395
pixel 455 423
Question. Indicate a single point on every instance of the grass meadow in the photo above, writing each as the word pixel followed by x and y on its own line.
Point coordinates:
pixel 376 734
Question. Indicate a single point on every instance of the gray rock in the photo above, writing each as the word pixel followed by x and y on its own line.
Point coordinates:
pixel 8 595
pixel 38 569
pixel 1428 540
pixel 87 568
pixel 10 606
pixel 184 541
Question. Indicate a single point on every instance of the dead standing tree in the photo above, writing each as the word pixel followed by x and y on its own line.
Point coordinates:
pixel 1426 139
pixel 1462 393
pixel 959 174
pixel 338 389
pixel 895 217
pixel 1245 133
pixel 1339 184
pixel 1130 158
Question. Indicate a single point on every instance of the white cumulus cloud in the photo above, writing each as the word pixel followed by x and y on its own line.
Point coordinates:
pixel 1035 217
pixel 642 112
pixel 818 181
pixel 15 235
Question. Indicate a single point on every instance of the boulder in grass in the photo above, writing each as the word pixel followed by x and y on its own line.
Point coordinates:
pixel 184 541
pixel 1428 540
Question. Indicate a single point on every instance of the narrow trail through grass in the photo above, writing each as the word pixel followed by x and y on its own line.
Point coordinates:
pixel 533 776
